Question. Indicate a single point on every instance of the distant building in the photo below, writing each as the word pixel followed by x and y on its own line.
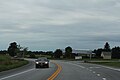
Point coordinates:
pixel 106 55
pixel 83 53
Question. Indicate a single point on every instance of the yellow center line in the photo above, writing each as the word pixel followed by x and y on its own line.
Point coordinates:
pixel 55 74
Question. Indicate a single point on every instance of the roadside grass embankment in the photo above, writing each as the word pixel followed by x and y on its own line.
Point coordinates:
pixel 6 63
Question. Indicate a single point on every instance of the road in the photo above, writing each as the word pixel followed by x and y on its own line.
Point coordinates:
pixel 71 70
pixel 76 70
pixel 28 72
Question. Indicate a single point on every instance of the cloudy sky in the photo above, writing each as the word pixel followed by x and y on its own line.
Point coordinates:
pixel 52 24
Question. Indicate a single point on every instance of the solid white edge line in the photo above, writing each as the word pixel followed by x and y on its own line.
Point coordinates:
pixel 16 74
pixel 102 66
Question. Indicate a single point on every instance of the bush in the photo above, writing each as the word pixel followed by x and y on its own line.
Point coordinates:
pixel 7 63
pixel 32 55
pixel 4 57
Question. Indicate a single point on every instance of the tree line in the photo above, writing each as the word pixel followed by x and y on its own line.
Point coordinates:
pixel 67 54
pixel 16 50
pixel 115 51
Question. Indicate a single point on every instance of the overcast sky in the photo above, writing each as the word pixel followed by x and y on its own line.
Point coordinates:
pixel 52 24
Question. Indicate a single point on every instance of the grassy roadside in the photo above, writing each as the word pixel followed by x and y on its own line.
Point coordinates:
pixel 6 63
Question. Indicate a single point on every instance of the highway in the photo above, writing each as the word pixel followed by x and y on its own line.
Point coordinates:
pixel 28 72
pixel 62 70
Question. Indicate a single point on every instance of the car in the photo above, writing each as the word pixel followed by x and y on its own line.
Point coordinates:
pixel 42 63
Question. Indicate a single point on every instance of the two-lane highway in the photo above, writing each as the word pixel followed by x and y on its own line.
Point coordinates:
pixel 28 72
pixel 62 70
pixel 72 71
pixel 76 70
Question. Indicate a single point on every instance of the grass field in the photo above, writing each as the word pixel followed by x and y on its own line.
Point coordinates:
pixel 7 63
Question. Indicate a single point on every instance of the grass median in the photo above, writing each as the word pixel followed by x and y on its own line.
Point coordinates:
pixel 6 63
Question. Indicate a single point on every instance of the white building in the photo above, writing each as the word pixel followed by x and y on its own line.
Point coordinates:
pixel 87 53
pixel 106 55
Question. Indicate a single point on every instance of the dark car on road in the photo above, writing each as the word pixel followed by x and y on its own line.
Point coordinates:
pixel 42 63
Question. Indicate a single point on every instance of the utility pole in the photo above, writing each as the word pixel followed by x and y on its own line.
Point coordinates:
pixel 90 54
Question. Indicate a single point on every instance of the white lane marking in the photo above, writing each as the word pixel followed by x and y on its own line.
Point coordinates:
pixel 76 65
pixel 98 74
pixel 94 72
pixel 90 70
pixel 104 78
pixel 16 74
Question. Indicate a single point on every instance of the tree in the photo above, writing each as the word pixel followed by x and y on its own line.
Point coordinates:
pixel 32 55
pixel 68 52
pixel 25 50
pixel 98 52
pixel 58 53
pixel 107 47
pixel 116 52
pixel 12 49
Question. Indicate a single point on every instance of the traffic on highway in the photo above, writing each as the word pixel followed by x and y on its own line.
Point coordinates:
pixel 42 62
pixel 59 39
pixel 62 70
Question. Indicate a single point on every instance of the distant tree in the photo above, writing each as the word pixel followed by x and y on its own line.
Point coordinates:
pixel 25 51
pixel 116 52
pixel 98 52
pixel 29 52
pixel 68 52
pixel 13 49
pixel 3 52
pixel 58 53
pixel 32 55
pixel 107 47
pixel 49 52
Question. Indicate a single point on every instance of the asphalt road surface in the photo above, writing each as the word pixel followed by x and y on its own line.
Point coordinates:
pixel 71 70
pixel 28 72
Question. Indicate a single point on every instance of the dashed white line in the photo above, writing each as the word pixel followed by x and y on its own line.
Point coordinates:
pixel 98 74
pixel 16 74
pixel 94 72
pixel 104 78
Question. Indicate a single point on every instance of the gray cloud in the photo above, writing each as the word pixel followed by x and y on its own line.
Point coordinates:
pixel 51 24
